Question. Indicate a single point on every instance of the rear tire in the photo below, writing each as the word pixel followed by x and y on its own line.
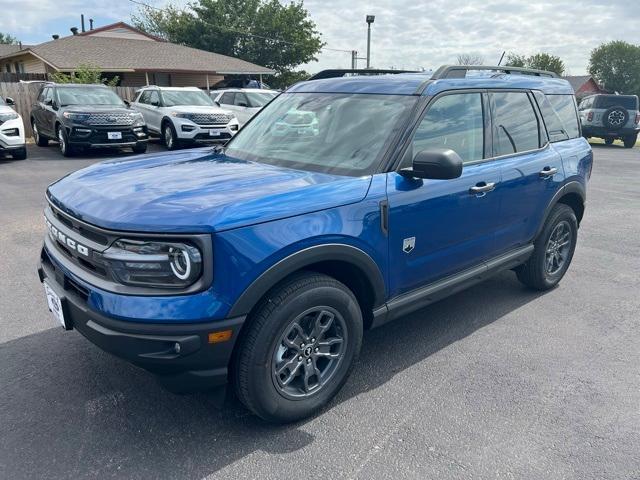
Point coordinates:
pixel 553 250
pixel 609 141
pixel 630 141
pixel 298 348
pixel 19 154
pixel 40 140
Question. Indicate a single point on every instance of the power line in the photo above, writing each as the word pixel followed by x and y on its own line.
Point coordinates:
pixel 218 27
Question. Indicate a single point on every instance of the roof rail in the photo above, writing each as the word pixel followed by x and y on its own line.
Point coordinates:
pixel 460 71
pixel 338 72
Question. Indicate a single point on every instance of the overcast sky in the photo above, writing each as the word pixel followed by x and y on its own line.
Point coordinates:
pixel 406 33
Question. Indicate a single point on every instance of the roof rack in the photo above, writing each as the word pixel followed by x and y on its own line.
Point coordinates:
pixel 460 71
pixel 338 72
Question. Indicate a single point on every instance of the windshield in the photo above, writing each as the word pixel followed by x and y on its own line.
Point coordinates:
pixel 259 99
pixel 88 96
pixel 174 98
pixel 342 134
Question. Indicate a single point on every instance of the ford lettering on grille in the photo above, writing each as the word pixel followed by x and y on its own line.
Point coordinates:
pixel 67 241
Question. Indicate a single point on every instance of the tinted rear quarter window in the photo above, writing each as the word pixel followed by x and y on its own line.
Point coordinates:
pixel 560 116
pixel 626 101
pixel 515 123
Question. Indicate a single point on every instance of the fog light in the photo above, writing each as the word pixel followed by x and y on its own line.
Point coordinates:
pixel 11 132
pixel 176 347
pixel 233 127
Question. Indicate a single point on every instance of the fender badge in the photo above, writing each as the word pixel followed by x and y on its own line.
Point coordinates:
pixel 408 244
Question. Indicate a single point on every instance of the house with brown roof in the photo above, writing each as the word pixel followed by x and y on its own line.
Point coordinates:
pixel 136 57
pixel 584 85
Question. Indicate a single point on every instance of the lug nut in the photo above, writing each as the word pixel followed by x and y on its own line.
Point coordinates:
pixel 300 358
pixel 302 345
pixel 308 360
pixel 313 340
pixel 317 349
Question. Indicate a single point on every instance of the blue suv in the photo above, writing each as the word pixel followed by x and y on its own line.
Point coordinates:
pixel 346 203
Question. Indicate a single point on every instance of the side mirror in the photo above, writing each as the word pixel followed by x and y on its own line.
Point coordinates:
pixel 242 104
pixel 49 102
pixel 217 103
pixel 155 103
pixel 436 164
pixel 9 101
pixel 127 103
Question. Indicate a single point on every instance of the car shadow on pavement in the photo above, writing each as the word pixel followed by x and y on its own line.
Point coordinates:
pixel 67 409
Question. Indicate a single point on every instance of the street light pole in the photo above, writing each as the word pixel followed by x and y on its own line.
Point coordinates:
pixel 370 19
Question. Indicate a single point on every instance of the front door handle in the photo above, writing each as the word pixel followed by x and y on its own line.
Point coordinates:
pixel 482 188
pixel 548 172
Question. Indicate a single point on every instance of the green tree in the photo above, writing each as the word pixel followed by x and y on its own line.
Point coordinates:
pixel 7 39
pixel 283 80
pixel 539 61
pixel 87 74
pixel 616 65
pixel 265 32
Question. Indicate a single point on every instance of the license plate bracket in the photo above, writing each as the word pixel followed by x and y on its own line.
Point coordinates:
pixel 56 306
pixel 114 135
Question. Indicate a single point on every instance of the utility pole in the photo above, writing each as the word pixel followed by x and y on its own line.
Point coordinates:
pixel 354 59
pixel 370 19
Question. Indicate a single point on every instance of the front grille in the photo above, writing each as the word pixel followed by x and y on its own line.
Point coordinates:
pixel 121 119
pixel 211 118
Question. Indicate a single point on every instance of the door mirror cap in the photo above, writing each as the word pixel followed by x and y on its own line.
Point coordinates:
pixel 49 102
pixel 9 101
pixel 127 103
pixel 242 104
pixel 436 164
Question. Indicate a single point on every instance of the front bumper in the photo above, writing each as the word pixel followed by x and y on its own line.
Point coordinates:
pixel 182 355
pixel 90 136
pixel 188 131
pixel 595 131
pixel 12 135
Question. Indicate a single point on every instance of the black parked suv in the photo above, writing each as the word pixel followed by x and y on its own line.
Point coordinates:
pixel 611 117
pixel 86 116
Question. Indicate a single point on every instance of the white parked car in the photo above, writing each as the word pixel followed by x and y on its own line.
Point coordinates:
pixel 244 102
pixel 11 131
pixel 184 116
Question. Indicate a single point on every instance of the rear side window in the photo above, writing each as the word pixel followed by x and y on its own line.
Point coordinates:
pixel 144 97
pixel 454 121
pixel 560 116
pixel 626 101
pixel 515 125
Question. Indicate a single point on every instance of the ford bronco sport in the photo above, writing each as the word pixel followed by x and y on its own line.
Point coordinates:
pixel 260 264
pixel 611 117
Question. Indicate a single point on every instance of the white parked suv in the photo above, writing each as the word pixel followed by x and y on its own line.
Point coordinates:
pixel 244 102
pixel 184 116
pixel 11 131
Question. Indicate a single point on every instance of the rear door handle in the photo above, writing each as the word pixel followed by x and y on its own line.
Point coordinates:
pixel 548 172
pixel 482 188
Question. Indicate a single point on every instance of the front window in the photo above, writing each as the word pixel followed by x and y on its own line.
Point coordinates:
pixel 260 99
pixel 343 134
pixel 88 96
pixel 175 98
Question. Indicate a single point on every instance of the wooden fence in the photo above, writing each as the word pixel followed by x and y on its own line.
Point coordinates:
pixel 25 94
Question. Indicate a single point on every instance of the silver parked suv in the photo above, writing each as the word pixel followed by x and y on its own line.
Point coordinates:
pixel 611 117
pixel 184 116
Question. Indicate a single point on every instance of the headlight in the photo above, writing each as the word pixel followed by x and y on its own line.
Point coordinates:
pixel 76 117
pixel 138 119
pixel 188 116
pixel 5 117
pixel 155 264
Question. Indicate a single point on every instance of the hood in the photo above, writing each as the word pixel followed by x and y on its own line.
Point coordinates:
pixel 197 109
pixel 197 191
pixel 97 109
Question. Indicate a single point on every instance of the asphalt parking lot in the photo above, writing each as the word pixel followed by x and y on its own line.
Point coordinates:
pixel 494 382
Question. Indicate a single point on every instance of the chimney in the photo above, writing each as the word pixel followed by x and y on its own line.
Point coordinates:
pixel 82 22
pixel 91 24
pixel 74 30
pixel 55 36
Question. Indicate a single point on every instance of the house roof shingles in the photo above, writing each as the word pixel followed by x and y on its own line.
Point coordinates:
pixel 577 81
pixel 122 54
pixel 7 49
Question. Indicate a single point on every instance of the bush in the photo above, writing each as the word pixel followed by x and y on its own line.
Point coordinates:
pixel 87 74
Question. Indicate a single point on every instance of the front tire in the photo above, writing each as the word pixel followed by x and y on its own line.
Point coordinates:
pixel 298 349
pixel 63 141
pixel 609 141
pixel 169 136
pixel 630 141
pixel 553 250
pixel 19 154
pixel 140 148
